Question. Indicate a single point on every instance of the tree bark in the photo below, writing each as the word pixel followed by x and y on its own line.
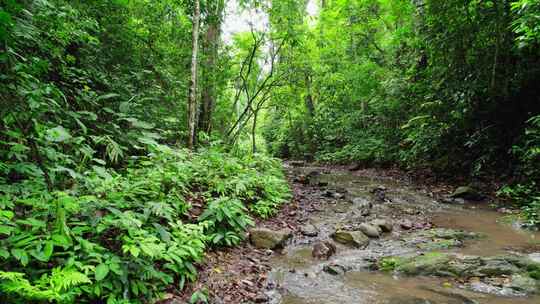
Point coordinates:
pixel 192 98
pixel 211 46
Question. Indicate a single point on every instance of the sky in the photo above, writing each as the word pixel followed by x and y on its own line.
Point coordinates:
pixel 238 20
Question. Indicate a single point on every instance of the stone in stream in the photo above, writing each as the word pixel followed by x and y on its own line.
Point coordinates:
pixel 406 225
pixel 362 205
pixel 334 269
pixel 383 224
pixel 323 250
pixel 371 231
pixel 496 266
pixel 468 193
pixel 265 238
pixel 351 238
pixel 309 230
pixel 524 284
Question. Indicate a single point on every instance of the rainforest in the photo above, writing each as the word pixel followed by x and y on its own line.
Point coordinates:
pixel 269 151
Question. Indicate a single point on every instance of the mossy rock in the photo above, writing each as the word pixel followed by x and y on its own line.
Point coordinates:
pixel 439 244
pixel 431 263
pixel 444 233
pixel 351 238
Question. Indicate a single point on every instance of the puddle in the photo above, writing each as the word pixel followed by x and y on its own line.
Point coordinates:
pixel 300 278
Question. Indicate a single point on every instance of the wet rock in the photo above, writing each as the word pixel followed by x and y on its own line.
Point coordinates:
pixel 483 287
pixel 362 205
pixel 379 193
pixel 264 238
pixel 351 238
pixel 535 257
pixel 323 250
pixel 468 193
pixel 443 233
pixel 333 194
pixel 260 298
pixel 355 167
pixel 334 269
pixel 453 200
pixel 406 225
pixel 432 263
pixel 371 231
pixel 524 284
pixel 383 224
pixel 439 244
pixel 309 230
pixel 496 266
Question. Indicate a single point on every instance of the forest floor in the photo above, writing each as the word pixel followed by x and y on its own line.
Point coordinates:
pixel 326 198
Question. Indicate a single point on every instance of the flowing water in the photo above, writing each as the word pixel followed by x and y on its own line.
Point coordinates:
pixel 300 279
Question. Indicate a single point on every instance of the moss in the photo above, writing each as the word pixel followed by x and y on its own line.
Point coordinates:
pixel 390 263
pixel 428 263
pixel 439 244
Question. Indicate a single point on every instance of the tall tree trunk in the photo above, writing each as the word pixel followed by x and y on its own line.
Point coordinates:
pixel 211 45
pixel 192 98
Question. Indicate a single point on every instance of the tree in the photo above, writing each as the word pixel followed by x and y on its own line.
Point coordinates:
pixel 192 97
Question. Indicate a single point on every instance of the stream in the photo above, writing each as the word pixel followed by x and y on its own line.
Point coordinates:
pixel 416 219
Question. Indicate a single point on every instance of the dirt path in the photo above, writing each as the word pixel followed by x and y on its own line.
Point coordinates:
pixel 317 267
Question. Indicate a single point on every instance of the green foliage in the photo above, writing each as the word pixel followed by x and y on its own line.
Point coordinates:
pixel 525 191
pixel 127 236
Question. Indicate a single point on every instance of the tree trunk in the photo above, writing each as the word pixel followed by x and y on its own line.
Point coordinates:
pixel 211 47
pixel 192 98
pixel 253 129
pixel 309 97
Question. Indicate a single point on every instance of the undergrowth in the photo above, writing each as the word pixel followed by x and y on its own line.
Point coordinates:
pixel 124 237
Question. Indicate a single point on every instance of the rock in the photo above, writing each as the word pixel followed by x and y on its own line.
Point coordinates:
pixel 370 230
pixel 406 225
pixel 362 205
pixel 496 266
pixel 379 188
pixel 260 298
pixel 323 250
pixel 264 238
pixel 439 244
pixel 524 284
pixel 384 225
pixel 309 230
pixel 356 167
pixel 468 193
pixel 453 200
pixel 444 233
pixel 495 290
pixel 535 257
pixel 351 238
pixel 432 263
pixel 334 269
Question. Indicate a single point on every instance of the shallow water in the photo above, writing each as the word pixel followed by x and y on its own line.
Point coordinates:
pixel 300 278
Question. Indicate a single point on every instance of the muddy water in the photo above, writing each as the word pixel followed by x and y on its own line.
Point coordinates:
pixel 300 279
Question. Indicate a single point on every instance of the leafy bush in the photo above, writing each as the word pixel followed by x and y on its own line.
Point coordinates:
pixel 525 191
pixel 125 236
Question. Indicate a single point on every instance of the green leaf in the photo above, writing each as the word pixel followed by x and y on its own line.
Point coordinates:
pixel 58 134
pixel 107 96
pixel 102 270
pixel 4 253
